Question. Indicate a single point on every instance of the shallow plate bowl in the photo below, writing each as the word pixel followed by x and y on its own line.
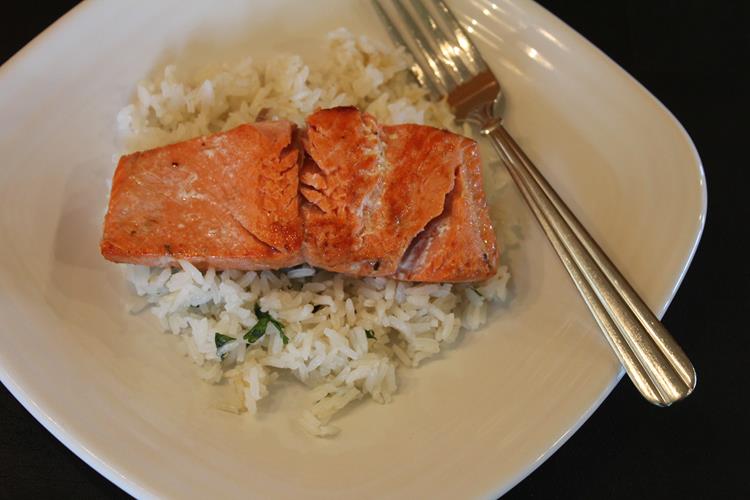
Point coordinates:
pixel 472 422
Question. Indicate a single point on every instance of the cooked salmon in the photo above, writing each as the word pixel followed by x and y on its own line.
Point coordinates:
pixel 227 200
pixel 370 189
pixel 404 201
pixel 459 245
pixel 373 192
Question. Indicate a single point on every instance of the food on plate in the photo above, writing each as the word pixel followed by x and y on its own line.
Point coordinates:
pixel 459 244
pixel 344 337
pixel 227 200
pixel 372 189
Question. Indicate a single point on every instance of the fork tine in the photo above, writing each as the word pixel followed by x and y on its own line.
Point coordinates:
pixel 424 47
pixel 451 55
pixel 426 80
pixel 421 47
pixel 473 57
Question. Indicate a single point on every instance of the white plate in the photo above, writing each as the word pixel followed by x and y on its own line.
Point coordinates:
pixel 472 423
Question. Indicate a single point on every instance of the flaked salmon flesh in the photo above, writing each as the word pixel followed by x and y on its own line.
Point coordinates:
pixel 404 201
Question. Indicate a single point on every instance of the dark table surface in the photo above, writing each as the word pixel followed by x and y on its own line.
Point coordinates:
pixel 693 56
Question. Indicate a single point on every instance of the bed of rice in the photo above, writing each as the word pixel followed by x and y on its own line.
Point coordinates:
pixel 327 317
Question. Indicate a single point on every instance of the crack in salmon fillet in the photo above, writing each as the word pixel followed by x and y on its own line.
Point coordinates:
pixel 228 200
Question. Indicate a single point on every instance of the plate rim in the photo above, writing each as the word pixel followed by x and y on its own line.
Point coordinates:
pixel 131 486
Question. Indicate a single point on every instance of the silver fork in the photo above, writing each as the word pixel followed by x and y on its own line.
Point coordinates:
pixel 450 66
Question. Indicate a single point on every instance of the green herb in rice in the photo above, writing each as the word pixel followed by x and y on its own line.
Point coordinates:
pixel 259 329
pixel 220 340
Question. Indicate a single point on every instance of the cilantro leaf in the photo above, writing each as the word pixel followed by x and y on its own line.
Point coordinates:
pixel 259 329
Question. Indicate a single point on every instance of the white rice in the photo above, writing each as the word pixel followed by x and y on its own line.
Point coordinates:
pixel 327 318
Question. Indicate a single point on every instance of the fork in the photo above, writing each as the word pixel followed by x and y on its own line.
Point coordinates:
pixel 448 64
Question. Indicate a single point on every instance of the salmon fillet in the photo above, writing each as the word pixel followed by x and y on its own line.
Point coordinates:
pixel 373 192
pixel 404 201
pixel 227 200
pixel 370 189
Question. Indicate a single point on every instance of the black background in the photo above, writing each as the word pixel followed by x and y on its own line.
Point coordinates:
pixel 693 56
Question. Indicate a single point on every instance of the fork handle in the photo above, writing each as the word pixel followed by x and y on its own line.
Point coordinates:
pixel 654 362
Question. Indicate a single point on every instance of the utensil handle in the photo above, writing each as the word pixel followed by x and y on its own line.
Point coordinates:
pixel 654 362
